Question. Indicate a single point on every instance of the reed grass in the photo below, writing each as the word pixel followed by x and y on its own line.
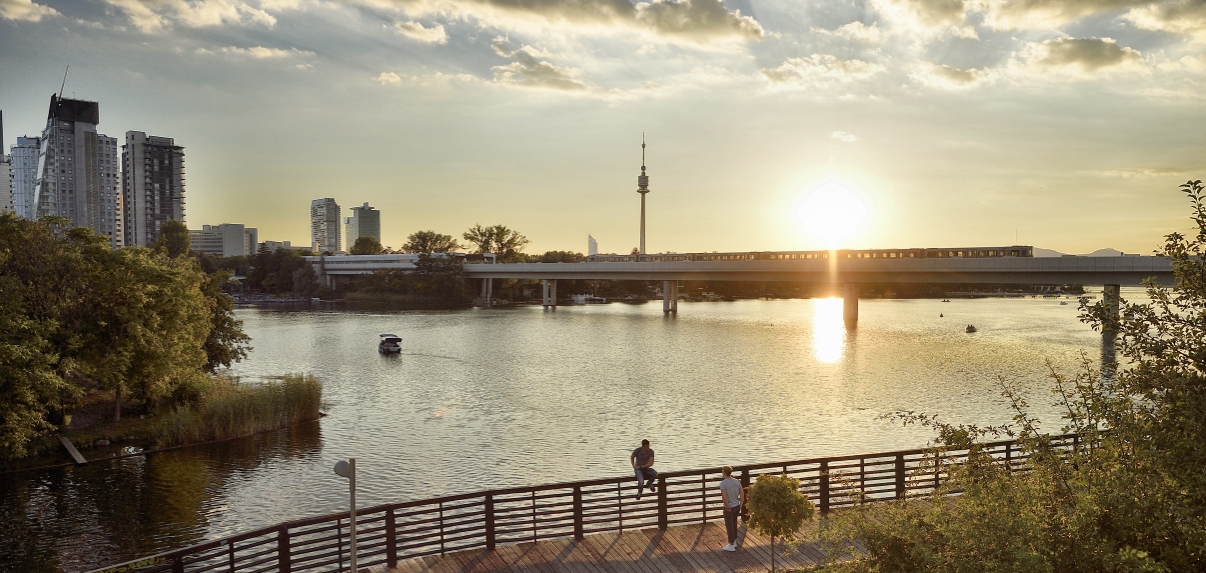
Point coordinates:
pixel 230 409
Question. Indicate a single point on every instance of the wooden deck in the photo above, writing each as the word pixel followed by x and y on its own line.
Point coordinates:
pixel 683 549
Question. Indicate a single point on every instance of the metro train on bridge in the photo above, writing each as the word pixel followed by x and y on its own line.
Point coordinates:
pixel 953 253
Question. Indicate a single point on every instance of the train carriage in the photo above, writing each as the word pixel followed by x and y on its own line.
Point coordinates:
pixel 930 253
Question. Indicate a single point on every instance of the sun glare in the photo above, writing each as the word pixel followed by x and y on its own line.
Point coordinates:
pixel 832 213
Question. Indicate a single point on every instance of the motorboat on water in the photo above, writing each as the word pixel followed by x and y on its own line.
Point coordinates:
pixel 970 328
pixel 390 344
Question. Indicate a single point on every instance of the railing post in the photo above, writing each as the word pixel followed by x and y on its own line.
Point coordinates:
pixel 282 549
pixel 1009 456
pixel 391 539
pixel 663 516
pixel 490 540
pixel 178 565
pixel 900 476
pixel 745 486
pixel 825 487
pixel 578 525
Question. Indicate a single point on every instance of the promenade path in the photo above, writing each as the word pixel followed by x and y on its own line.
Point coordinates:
pixel 680 549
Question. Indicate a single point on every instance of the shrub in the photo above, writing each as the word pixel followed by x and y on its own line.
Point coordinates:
pixel 228 409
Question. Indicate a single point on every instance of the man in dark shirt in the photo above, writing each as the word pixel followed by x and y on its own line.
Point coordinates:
pixel 642 465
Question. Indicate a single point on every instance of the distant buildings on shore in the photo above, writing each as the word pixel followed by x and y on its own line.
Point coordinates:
pixel 225 240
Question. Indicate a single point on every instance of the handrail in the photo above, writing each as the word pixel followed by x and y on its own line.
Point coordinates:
pixel 478 520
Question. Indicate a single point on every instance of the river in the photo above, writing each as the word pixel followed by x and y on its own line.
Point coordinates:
pixel 482 399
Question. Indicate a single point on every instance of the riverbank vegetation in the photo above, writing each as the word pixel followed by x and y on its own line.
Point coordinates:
pixel 1129 497
pixel 227 409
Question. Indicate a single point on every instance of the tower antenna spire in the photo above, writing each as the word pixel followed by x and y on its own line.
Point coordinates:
pixel 642 151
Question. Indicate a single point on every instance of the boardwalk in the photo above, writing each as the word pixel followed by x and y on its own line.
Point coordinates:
pixel 682 549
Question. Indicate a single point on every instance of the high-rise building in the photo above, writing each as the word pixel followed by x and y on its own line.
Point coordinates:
pixel 592 246
pixel 23 158
pixel 324 225
pixel 364 222
pixel 153 185
pixel 6 174
pixel 78 175
pixel 226 240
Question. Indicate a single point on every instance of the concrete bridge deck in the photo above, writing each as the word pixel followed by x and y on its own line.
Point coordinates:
pixel 682 549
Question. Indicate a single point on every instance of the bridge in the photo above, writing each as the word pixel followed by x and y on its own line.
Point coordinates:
pixel 1112 272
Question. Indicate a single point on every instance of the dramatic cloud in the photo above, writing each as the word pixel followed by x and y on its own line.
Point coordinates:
pixel 1079 55
pixel 819 70
pixel 946 77
pixel 699 20
pixel 1186 17
pixel 1029 14
pixel 528 71
pixel 844 137
pixel 416 31
pixel 856 31
pixel 388 78
pixel 159 15
pixel 924 14
pixel 24 10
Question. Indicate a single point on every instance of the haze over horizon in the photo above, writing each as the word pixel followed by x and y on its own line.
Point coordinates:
pixel 1064 124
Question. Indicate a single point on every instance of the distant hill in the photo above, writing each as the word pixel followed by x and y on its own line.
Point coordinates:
pixel 1047 253
pixel 1107 252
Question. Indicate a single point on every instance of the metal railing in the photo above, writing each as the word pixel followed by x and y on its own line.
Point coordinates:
pixel 389 533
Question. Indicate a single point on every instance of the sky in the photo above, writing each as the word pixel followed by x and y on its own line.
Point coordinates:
pixel 1064 124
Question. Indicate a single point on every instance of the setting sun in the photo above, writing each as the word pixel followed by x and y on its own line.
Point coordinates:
pixel 832 213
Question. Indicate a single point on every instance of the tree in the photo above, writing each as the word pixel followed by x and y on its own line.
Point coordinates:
pixel 430 242
pixel 777 508
pixel 561 257
pixel 367 246
pixel 635 251
pixel 226 342
pixel 173 239
pixel 507 245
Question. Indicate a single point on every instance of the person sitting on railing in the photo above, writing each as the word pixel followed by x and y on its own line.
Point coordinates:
pixel 642 464
pixel 730 495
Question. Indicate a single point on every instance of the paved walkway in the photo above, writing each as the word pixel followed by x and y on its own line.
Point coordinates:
pixel 682 549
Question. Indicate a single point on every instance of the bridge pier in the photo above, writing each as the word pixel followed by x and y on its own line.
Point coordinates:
pixel 850 305
pixel 488 292
pixel 670 297
pixel 550 293
pixel 1111 296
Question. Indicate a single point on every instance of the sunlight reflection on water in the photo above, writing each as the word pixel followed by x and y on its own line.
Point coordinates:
pixel 828 330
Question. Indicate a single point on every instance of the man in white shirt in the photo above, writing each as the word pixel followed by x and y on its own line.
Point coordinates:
pixel 730 495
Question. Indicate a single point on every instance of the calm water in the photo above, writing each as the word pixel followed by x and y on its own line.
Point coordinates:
pixel 484 399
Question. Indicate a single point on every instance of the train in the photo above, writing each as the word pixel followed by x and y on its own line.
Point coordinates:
pixel 931 253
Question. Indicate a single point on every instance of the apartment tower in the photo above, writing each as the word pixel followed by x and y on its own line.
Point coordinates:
pixel 153 185
pixel 364 222
pixel 324 225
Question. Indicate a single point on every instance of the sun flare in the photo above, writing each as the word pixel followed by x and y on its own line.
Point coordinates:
pixel 832 213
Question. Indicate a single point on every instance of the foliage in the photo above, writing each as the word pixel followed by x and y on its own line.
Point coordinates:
pixel 229 410
pixel 561 257
pixel 1129 496
pixel 226 342
pixel 777 508
pixel 274 272
pixel 367 246
pixel 435 278
pixel 430 242
pixel 505 243
pixel 173 239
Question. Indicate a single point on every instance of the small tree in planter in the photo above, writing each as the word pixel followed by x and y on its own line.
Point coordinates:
pixel 777 508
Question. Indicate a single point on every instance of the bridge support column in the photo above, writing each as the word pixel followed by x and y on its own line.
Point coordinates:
pixel 669 296
pixel 550 293
pixel 850 305
pixel 488 292
pixel 1111 296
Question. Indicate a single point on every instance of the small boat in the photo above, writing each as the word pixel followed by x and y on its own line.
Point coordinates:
pixel 1063 303
pixel 390 344
pixel 970 329
pixel 946 300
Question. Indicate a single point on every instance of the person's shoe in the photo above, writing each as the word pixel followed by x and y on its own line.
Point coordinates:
pixel 638 496
pixel 730 547
pixel 652 487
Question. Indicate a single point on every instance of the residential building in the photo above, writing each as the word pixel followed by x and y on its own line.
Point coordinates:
pixel 592 246
pixel 153 185
pixel 364 222
pixel 6 174
pixel 23 160
pixel 77 175
pixel 324 225
pixel 227 240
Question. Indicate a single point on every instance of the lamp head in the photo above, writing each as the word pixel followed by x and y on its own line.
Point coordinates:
pixel 342 469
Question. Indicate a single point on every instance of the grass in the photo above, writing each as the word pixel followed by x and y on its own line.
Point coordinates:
pixel 229 409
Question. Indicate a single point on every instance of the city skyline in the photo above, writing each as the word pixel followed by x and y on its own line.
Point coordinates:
pixel 1058 125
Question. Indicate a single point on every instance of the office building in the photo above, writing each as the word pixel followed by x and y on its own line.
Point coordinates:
pixel 364 222
pixel 152 186
pixel 77 176
pixel 324 225
pixel 6 174
pixel 23 162
pixel 592 246
pixel 226 240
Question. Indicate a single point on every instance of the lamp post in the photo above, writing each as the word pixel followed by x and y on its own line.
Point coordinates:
pixel 348 470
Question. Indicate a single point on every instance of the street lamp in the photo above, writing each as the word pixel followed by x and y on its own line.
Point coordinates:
pixel 348 470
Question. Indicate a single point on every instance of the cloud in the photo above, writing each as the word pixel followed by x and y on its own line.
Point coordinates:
pixel 1030 14
pixel 388 78
pixel 946 77
pixel 528 71
pixel 844 137
pixel 151 16
pixel 923 14
pixel 1079 55
pixel 818 70
pixel 698 20
pixel 25 10
pixel 1142 172
pixel 258 52
pixel 416 31
pixel 856 31
pixel 1185 17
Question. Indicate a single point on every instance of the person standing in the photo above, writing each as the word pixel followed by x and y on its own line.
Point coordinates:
pixel 730 496
pixel 642 465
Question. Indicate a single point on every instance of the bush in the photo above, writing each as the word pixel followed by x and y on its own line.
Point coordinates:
pixel 228 409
